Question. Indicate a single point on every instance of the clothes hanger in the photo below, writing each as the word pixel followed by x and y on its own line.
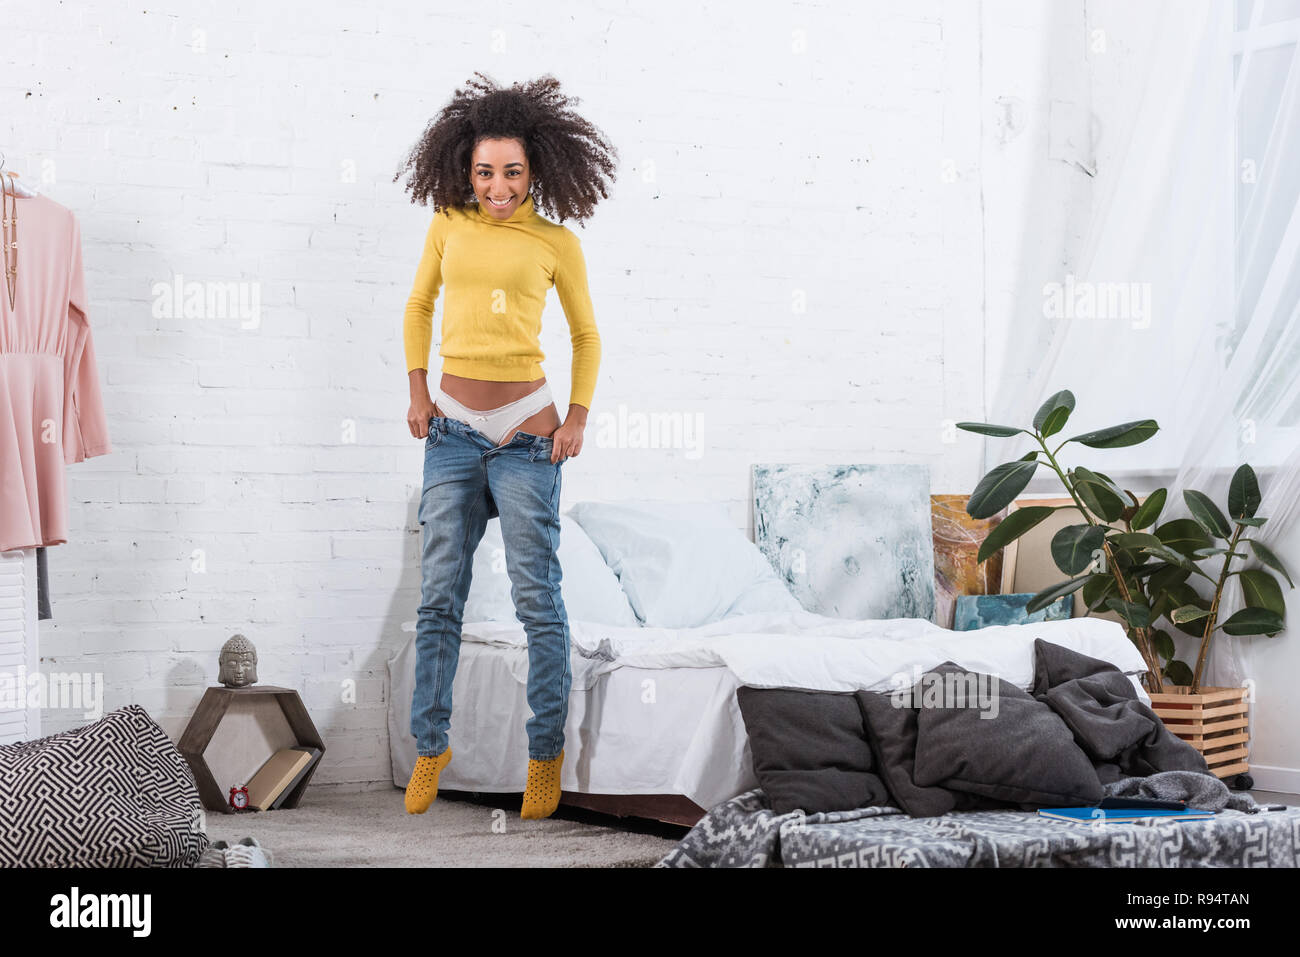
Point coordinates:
pixel 16 185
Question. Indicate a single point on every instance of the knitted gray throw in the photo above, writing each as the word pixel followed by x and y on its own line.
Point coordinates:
pixel 1204 792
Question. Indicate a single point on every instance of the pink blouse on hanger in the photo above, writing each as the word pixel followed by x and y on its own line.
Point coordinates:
pixel 51 411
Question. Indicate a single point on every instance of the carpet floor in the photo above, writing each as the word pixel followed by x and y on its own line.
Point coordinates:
pixel 372 829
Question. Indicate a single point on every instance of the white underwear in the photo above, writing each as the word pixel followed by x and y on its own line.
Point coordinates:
pixel 499 423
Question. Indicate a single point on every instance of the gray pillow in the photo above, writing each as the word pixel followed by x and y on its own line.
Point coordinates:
pixel 810 750
pixel 891 731
pixel 980 734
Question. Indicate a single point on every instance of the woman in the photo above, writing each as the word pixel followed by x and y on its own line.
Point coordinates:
pixel 494 439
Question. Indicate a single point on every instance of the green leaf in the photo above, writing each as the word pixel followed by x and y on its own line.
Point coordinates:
pixel 983 428
pixel 1100 498
pixel 1163 644
pixel 1252 522
pixel 1150 509
pixel 1160 604
pixel 1050 414
pixel 1184 535
pixel 1181 616
pixel 1137 615
pixel 1097 590
pixel 1266 556
pixel 1172 557
pixel 1075 547
pixel 1114 486
pixel 1056 421
pixel 1166 576
pixel 1207 552
pixel 1134 540
pixel 1185 594
pixel 1049 595
pixel 1011 528
pixel 1206 513
pixel 999 488
pixel 1128 561
pixel 1179 673
pixel 1254 621
pixel 1150 569
pixel 1261 590
pixel 1243 493
pixel 1118 436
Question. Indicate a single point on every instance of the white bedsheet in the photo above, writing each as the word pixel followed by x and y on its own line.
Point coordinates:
pixel 818 653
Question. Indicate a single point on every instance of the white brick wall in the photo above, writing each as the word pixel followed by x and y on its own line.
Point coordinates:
pixel 834 155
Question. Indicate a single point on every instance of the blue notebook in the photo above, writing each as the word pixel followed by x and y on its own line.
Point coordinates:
pixel 1087 815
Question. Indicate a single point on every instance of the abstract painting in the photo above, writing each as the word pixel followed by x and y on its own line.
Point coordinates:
pixel 981 611
pixel 957 540
pixel 850 541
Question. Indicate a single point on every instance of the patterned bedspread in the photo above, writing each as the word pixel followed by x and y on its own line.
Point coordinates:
pixel 745 832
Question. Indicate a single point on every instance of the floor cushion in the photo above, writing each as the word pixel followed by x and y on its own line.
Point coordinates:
pixel 116 793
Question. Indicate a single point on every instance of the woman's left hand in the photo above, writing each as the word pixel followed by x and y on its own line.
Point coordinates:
pixel 566 441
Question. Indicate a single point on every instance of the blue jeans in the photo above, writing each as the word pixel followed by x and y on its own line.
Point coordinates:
pixel 467 481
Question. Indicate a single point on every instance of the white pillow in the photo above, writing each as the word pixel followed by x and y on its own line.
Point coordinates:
pixel 590 588
pixel 683 564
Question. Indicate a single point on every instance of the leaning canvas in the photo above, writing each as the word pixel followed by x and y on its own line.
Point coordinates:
pixel 982 611
pixel 850 541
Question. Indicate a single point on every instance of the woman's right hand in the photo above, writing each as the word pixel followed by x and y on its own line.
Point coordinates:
pixel 421 410
pixel 417 418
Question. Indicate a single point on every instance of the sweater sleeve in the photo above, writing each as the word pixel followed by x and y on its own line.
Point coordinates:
pixel 575 298
pixel 417 324
pixel 85 426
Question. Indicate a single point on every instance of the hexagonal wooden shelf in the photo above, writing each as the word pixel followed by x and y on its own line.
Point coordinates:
pixel 235 730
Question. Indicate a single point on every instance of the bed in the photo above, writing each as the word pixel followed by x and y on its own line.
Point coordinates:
pixel 671 610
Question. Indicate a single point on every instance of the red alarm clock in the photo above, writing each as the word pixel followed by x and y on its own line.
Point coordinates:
pixel 239 798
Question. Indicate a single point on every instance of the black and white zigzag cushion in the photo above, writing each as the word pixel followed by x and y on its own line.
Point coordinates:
pixel 116 793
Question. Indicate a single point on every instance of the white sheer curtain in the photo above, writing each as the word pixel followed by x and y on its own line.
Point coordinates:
pixel 1256 416
pixel 1201 208
pixel 1161 227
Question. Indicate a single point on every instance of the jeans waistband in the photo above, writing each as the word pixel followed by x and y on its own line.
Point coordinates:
pixel 447 425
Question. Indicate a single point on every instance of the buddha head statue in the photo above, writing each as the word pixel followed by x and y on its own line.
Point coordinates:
pixel 238 661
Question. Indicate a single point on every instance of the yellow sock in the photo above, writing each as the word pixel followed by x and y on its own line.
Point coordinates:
pixel 542 793
pixel 423 787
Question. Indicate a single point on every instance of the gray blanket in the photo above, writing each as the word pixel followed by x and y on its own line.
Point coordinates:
pixel 745 832
pixel 1121 736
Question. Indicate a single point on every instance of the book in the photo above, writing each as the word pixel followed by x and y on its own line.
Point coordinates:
pixel 1089 815
pixel 273 777
pixel 302 773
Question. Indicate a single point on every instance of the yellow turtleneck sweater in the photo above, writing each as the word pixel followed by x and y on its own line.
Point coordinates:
pixel 496 273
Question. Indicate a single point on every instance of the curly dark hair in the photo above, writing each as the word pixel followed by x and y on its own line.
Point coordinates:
pixel 567 156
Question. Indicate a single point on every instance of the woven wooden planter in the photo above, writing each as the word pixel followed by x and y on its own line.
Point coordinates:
pixel 1214 722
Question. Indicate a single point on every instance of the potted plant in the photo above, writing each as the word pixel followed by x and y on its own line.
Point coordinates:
pixel 1144 575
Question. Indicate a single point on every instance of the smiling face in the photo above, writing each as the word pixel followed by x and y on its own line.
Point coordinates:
pixel 499 171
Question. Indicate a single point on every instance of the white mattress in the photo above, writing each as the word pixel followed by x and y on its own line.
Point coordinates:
pixel 653 710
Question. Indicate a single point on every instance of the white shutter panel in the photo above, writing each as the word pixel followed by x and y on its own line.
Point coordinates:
pixel 18 650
